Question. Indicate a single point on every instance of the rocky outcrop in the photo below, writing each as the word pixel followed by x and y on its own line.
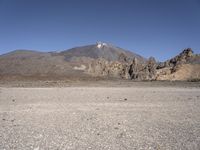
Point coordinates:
pixel 177 68
pixel 151 69
pixel 102 67
pixel 145 71
pixel 182 58
pixel 123 69
pixel 180 67
pixel 190 72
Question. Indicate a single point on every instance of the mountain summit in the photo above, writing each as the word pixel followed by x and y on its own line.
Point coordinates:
pixel 101 44
pixel 100 50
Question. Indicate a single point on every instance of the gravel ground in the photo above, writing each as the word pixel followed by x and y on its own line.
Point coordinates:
pixel 116 118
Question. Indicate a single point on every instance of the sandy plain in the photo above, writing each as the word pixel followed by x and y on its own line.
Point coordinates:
pixel 100 118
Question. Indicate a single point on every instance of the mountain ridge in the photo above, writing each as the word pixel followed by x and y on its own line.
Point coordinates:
pixel 99 60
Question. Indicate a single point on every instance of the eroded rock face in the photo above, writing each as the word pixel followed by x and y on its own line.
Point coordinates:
pixel 146 71
pixel 182 58
pixel 102 67
pixel 179 67
pixel 136 70
pixel 122 69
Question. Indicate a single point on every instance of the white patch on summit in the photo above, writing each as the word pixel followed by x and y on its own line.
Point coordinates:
pixel 100 44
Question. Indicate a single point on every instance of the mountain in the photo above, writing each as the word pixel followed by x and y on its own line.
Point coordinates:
pixel 73 62
pixel 97 60
pixel 100 50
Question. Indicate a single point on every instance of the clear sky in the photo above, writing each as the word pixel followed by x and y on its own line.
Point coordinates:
pixel 159 28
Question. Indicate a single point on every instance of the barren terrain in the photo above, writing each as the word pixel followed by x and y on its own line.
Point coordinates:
pixel 79 117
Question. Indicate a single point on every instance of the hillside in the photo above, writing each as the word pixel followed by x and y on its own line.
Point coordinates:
pixel 69 63
pixel 100 50
pixel 24 62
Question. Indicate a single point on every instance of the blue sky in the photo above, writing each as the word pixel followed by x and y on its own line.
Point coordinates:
pixel 159 28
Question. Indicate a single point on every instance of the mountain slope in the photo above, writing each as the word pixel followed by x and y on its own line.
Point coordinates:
pixel 100 50
pixel 71 62
pixel 24 62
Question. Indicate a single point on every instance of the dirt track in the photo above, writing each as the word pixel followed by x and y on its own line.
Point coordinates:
pixel 100 118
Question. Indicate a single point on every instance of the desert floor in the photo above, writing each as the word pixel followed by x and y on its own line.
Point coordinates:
pixel 97 117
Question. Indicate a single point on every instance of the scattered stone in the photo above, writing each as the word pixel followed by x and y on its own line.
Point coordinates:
pixel 120 135
pixel 37 148
pixel 89 118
